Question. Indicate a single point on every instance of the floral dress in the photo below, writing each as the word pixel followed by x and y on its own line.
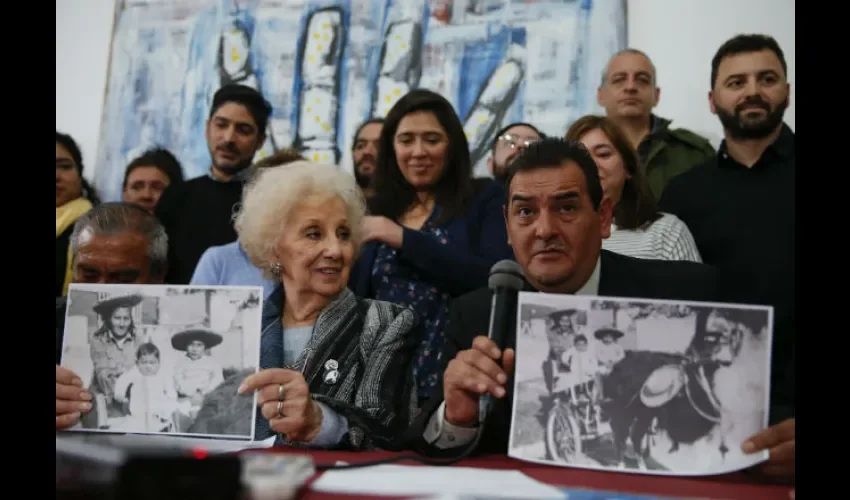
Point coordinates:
pixel 396 280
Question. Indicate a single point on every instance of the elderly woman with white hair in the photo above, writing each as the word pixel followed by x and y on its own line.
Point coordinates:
pixel 335 368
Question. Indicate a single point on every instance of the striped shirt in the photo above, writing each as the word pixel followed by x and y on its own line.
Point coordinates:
pixel 668 238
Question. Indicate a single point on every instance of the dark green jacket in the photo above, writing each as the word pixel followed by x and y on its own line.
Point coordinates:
pixel 666 153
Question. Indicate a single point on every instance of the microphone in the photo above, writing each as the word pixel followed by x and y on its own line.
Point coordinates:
pixel 506 280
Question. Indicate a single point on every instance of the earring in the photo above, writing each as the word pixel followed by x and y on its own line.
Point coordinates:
pixel 275 269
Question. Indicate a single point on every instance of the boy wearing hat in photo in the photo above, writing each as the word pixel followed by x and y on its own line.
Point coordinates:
pixel 196 373
pixel 152 397
pixel 583 367
pixel 581 360
pixel 608 351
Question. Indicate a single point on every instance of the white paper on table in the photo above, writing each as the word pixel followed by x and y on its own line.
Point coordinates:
pixel 401 480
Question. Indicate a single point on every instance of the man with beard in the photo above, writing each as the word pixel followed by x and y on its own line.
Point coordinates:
pixel 198 214
pixel 365 154
pixel 509 143
pixel 740 207
pixel 629 92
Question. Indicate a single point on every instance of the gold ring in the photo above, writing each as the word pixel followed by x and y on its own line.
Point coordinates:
pixel 280 392
pixel 279 408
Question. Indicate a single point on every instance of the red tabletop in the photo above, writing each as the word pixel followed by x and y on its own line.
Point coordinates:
pixel 737 486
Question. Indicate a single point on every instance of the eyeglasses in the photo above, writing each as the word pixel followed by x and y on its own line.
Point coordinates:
pixel 514 141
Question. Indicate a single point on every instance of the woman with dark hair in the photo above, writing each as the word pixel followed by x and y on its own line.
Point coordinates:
pixel 638 229
pixel 433 232
pixel 74 197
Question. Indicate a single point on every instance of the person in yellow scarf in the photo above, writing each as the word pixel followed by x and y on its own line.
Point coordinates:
pixel 74 197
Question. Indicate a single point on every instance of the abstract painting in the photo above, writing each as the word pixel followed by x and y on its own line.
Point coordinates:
pixel 328 65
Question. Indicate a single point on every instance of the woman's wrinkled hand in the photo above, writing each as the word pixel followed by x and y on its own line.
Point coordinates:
pixel 292 411
pixel 71 399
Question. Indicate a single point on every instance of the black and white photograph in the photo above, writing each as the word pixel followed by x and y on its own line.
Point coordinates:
pixel 636 385
pixel 164 359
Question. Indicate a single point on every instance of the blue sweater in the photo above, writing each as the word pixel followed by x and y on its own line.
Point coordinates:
pixel 229 265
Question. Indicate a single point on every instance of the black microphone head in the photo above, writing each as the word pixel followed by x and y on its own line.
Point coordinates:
pixel 506 274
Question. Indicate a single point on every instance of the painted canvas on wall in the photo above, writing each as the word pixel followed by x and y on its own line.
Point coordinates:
pixel 326 66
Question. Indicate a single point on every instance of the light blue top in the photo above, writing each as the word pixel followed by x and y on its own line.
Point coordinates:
pixel 334 426
pixel 229 265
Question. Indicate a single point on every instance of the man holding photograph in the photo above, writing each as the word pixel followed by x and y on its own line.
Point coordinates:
pixel 556 219
pixel 117 243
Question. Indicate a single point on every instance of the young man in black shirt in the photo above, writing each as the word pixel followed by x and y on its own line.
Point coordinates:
pixel 198 214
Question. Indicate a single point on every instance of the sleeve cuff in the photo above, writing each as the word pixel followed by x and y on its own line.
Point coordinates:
pixel 444 435
pixel 411 241
pixel 334 427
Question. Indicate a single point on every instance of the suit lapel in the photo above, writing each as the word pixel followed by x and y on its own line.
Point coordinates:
pixel 608 284
pixel 615 280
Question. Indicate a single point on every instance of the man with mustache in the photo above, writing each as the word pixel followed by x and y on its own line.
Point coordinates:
pixel 556 219
pixel 364 152
pixel 198 213
pixel 509 143
pixel 740 208
pixel 629 92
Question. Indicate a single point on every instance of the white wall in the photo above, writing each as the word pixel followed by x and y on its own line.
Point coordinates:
pixel 681 36
pixel 83 33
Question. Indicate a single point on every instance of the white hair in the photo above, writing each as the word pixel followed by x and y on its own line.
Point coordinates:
pixel 273 193
pixel 109 219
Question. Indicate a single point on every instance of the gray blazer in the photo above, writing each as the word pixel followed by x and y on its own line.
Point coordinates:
pixel 373 344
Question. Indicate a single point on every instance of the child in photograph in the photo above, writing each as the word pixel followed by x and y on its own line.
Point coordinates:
pixel 196 373
pixel 583 368
pixel 608 351
pixel 150 393
pixel 581 360
pixel 561 330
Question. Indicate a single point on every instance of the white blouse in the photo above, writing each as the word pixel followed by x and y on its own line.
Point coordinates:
pixel 668 238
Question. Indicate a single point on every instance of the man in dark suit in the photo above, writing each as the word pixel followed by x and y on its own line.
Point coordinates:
pixel 556 219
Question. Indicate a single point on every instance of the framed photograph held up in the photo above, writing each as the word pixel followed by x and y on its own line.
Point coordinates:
pixel 159 359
